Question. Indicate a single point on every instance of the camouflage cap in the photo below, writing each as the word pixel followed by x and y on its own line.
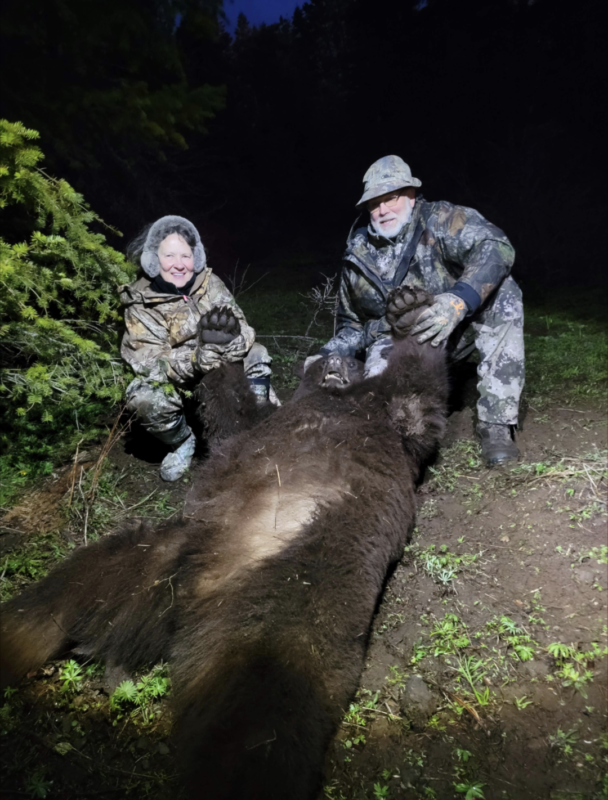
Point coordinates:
pixel 386 175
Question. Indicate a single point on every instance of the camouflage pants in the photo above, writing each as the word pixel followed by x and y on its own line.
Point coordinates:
pixel 159 407
pixel 496 332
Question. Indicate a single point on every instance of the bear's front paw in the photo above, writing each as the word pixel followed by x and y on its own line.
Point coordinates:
pixel 218 326
pixel 404 306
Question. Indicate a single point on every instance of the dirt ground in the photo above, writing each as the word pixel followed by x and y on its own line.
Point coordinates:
pixel 486 672
pixel 520 729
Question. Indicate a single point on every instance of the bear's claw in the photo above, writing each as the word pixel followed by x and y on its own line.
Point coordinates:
pixel 218 326
pixel 404 306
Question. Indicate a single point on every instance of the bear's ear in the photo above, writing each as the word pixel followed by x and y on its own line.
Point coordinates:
pixel 298 369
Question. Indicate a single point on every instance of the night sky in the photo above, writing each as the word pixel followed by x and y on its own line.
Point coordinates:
pixel 259 11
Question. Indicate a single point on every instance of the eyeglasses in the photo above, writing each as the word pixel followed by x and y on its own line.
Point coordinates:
pixel 389 202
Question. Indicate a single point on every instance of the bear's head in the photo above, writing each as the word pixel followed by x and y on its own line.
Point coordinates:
pixel 332 372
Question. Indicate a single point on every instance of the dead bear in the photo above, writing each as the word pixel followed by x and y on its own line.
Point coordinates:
pixel 262 597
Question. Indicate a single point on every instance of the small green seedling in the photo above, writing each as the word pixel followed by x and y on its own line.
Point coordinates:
pixel 72 676
pixel 564 740
pixel 470 790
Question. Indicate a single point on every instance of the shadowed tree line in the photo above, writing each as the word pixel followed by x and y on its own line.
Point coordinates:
pixel 494 103
pixel 106 84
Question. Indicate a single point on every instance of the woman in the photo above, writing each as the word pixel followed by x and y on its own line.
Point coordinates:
pixel 162 310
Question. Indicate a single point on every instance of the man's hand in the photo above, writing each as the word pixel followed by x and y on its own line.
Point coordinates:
pixel 440 319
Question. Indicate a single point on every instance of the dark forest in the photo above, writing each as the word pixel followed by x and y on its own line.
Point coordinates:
pixel 262 138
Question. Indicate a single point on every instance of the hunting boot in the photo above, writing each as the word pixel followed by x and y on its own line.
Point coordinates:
pixel 183 443
pixel 497 445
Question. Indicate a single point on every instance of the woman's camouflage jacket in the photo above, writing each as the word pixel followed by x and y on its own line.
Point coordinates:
pixel 160 341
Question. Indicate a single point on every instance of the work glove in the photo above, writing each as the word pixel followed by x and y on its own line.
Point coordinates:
pixel 438 321
pixel 212 356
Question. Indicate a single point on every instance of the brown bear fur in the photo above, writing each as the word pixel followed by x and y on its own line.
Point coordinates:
pixel 226 406
pixel 263 596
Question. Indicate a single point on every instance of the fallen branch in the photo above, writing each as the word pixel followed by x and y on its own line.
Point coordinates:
pixel 455 699
pixel 74 473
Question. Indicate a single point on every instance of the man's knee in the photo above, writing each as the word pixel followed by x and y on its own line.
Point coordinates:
pixel 499 329
pixel 505 305
pixel 376 359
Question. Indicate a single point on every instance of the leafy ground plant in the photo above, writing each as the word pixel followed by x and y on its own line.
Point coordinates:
pixel 461 458
pixel 564 741
pixel 470 790
pixel 516 638
pixel 355 719
pixel 473 670
pixel 139 701
pixel 573 666
pixel 72 676
pixel 442 565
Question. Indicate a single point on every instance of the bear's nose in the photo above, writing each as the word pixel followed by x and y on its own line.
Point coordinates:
pixel 334 362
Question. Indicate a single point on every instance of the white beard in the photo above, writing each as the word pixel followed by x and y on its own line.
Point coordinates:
pixel 399 222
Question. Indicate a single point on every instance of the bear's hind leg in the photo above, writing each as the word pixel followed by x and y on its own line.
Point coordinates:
pixel 112 599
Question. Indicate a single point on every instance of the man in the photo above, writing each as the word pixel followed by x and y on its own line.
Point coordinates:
pixel 461 258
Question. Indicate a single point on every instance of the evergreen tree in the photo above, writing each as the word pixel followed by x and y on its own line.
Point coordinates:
pixel 59 310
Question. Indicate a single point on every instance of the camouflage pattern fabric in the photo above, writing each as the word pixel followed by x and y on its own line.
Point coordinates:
pixel 496 331
pixel 159 406
pixel 376 357
pixel 160 345
pixel 160 341
pixel 455 250
pixel 386 175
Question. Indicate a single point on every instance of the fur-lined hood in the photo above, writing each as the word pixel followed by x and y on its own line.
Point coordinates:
pixel 159 231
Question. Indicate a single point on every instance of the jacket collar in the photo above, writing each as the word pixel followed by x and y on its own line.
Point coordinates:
pixel 362 244
pixel 140 291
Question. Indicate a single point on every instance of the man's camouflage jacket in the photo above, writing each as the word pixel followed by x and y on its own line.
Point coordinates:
pixel 443 248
